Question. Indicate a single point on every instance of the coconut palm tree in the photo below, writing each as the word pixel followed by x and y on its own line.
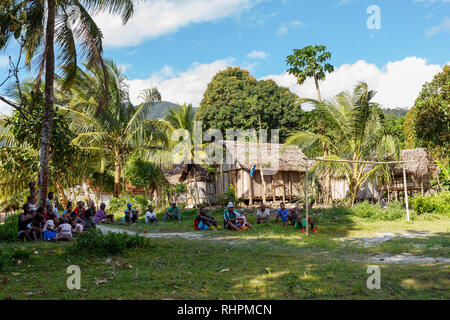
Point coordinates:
pixel 180 122
pixel 117 129
pixel 42 25
pixel 354 132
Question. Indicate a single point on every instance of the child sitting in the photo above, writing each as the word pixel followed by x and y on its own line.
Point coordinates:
pixel 49 230
pixel 65 231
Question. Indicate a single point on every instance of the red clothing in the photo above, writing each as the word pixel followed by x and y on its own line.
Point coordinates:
pixel 79 211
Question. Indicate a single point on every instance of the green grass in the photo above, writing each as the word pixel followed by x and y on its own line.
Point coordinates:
pixel 269 262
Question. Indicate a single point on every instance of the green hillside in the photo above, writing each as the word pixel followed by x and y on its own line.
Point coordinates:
pixel 161 109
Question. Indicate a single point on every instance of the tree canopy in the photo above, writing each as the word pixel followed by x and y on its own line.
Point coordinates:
pixel 431 115
pixel 234 100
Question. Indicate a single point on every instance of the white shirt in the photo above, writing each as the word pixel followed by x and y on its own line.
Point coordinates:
pixel 266 213
pixel 50 224
pixel 150 215
pixel 65 228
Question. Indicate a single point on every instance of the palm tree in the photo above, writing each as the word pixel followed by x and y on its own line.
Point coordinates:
pixel 354 132
pixel 180 121
pixel 38 25
pixel 119 128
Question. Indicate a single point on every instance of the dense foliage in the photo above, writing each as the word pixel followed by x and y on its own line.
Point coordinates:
pixel 437 203
pixel 9 229
pixel 111 243
pixel 431 115
pixel 236 100
pixel 393 211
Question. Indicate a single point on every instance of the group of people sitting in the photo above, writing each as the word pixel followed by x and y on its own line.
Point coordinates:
pixel 233 220
pixel 131 215
pixel 47 223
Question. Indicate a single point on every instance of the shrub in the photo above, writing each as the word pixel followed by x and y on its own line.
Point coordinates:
pixel 9 229
pixel 393 211
pixel 102 244
pixel 436 204
pixel 119 204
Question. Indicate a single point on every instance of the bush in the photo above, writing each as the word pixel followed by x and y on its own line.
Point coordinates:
pixel 119 204
pixel 435 204
pixel 110 243
pixel 393 211
pixel 9 229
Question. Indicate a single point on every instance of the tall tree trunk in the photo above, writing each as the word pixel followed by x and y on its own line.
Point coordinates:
pixel 61 194
pixel 116 179
pixel 48 112
pixel 316 82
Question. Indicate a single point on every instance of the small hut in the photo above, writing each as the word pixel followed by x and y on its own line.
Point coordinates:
pixel 283 170
pixel 199 183
pixel 420 168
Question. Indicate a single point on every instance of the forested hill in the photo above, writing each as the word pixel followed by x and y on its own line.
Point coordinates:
pixel 398 112
pixel 161 109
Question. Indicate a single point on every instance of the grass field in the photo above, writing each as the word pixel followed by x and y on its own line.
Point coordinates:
pixel 268 262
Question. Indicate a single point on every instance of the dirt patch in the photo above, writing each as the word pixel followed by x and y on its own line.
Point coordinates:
pixel 405 258
pixel 382 237
pixel 185 235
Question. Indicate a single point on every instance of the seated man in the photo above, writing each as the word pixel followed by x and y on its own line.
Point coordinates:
pixel 203 222
pixel 79 210
pixel 173 212
pixel 233 220
pixel 101 216
pixel 262 214
pixel 131 214
pixel 293 216
pixel 284 214
pixel 303 225
pixel 150 215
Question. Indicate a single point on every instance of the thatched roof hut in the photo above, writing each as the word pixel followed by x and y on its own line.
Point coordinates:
pixel 420 163
pixel 244 155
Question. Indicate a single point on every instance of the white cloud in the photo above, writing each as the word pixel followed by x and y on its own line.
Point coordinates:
pixel 397 84
pixel 5 109
pixel 286 26
pixel 124 66
pixel 187 86
pixel 155 18
pixel 444 26
pixel 257 54
pixel 4 61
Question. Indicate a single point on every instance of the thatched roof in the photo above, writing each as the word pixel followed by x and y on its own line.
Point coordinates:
pixel 420 162
pixel 272 155
pixel 181 172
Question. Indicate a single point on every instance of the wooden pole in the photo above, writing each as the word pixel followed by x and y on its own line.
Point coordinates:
pixel 250 189
pixel 406 193
pixel 306 200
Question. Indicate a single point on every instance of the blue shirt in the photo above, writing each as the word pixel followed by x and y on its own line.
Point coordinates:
pixel 283 214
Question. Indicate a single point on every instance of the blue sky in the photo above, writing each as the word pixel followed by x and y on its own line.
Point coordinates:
pixel 178 45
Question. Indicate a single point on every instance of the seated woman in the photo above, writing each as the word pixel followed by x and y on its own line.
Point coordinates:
pixel 101 216
pixel 49 230
pixel 203 222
